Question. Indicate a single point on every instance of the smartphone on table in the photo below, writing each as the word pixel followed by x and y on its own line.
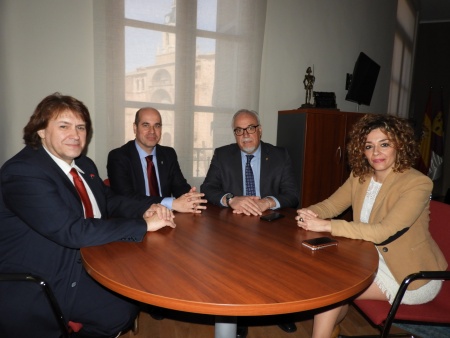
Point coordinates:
pixel 272 216
pixel 319 243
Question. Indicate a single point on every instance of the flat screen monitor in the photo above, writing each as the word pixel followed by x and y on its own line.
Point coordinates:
pixel 363 80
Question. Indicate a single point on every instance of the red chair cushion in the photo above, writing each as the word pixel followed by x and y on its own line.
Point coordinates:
pixel 436 311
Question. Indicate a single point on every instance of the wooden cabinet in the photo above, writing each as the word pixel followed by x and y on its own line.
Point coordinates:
pixel 316 142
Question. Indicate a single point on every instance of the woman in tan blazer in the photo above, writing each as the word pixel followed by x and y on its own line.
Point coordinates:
pixel 390 202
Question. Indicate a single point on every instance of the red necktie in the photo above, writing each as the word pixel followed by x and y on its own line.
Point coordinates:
pixel 79 185
pixel 151 174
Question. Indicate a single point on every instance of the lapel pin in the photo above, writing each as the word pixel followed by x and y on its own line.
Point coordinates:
pixel 92 176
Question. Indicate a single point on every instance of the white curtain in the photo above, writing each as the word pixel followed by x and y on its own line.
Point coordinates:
pixel 402 59
pixel 196 61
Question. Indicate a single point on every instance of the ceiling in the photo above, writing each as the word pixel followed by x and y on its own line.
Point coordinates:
pixel 434 10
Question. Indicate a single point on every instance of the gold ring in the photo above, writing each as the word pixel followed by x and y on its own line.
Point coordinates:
pixel 300 219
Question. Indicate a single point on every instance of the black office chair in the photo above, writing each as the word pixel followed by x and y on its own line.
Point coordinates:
pixel 23 277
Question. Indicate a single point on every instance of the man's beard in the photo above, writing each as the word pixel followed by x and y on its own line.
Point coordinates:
pixel 248 150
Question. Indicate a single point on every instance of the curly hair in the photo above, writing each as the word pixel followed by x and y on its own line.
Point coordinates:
pixel 398 130
pixel 50 107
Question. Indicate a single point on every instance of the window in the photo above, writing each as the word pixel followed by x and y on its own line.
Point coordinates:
pixel 402 59
pixel 196 61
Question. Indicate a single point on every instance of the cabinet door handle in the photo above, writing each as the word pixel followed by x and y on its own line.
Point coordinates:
pixel 339 154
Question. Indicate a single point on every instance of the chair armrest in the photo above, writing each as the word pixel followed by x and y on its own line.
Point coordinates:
pixel 431 275
pixel 25 277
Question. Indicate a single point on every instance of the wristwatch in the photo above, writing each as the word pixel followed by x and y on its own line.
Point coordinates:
pixel 228 197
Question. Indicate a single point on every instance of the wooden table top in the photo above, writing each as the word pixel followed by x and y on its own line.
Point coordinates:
pixel 220 263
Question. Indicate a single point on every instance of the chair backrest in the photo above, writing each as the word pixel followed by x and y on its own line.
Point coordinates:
pixel 440 226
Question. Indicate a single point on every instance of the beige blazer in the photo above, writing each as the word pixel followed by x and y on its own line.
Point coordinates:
pixel 398 224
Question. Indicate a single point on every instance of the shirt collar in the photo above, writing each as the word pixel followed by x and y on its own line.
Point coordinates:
pixel 142 153
pixel 63 164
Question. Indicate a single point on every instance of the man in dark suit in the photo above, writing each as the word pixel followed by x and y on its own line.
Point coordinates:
pixel 251 176
pixel 272 170
pixel 127 167
pixel 45 220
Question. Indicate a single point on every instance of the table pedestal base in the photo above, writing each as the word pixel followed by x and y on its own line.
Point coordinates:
pixel 226 327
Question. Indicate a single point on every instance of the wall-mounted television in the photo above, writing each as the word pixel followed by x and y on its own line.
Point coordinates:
pixel 361 83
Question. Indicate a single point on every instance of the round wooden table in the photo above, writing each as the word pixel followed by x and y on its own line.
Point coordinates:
pixel 229 265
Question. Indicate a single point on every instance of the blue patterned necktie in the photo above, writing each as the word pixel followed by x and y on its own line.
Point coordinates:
pixel 249 180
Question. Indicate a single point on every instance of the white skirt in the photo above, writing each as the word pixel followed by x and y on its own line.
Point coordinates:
pixel 389 286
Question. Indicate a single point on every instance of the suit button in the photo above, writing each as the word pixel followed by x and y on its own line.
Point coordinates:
pixel 385 249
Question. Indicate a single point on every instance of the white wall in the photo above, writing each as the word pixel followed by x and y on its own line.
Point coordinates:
pixel 48 46
pixel 45 46
pixel 330 35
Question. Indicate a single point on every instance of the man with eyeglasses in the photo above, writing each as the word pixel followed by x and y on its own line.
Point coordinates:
pixel 226 183
pixel 251 176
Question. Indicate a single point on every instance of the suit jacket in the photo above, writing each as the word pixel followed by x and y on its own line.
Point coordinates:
pixel 42 224
pixel 398 223
pixel 277 175
pixel 127 178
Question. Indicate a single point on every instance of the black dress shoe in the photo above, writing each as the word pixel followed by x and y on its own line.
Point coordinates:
pixel 241 331
pixel 288 327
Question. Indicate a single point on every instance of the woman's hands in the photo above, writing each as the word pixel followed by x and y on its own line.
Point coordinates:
pixel 309 220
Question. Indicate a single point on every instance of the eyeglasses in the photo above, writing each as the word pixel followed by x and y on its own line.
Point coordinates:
pixel 240 131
